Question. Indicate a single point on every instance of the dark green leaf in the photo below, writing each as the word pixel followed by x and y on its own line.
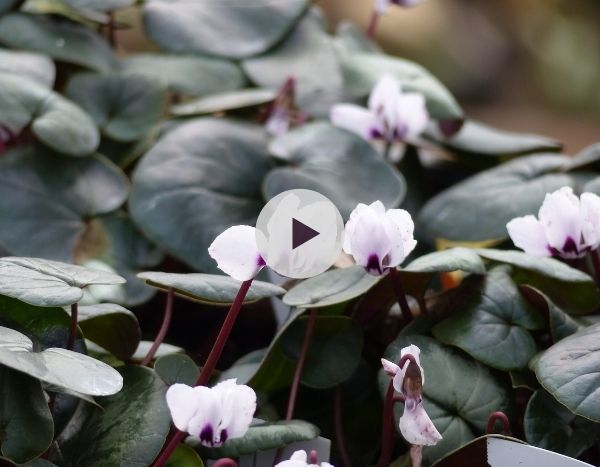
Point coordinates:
pixel 334 352
pixel 112 327
pixel 131 429
pixel 338 164
pixel 307 54
pixel 199 179
pixel 568 287
pixel 523 379
pixel 493 326
pixel 61 195
pixel 209 288
pixel 55 121
pixel 479 207
pixel 31 65
pixel 62 40
pixel 459 393
pixel 264 436
pixel 26 427
pixel 225 101
pixel 187 74
pixel 549 425
pixel 124 106
pixel 570 371
pixel 452 259
pixel 57 366
pixel 231 28
pixel 177 368
pixel 163 350
pixel 330 288
pixel 184 456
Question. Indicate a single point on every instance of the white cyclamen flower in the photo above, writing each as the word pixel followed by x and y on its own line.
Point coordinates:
pixel 213 415
pixel 567 226
pixel 300 459
pixel 415 425
pixel 236 253
pixel 381 6
pixel 379 239
pixel 391 116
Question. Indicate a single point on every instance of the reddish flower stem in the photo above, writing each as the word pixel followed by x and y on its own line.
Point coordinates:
pixel 225 462
pixel 72 327
pixel 387 424
pixel 339 429
pixel 400 295
pixel 209 366
pixel 596 264
pixel 372 25
pixel 310 325
pixel 162 332
pixel 498 417
pixel 313 457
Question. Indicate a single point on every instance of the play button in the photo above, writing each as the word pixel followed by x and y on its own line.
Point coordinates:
pixel 299 233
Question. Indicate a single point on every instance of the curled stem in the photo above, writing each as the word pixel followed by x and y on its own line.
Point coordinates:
pixel 400 295
pixel 72 327
pixel 495 417
pixel 162 332
pixel 312 318
pixel 339 429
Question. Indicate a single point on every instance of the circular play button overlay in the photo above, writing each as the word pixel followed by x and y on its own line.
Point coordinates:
pixel 299 233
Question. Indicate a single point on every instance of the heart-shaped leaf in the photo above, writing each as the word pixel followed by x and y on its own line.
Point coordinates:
pixel 264 436
pixel 363 70
pixel 177 368
pixel 199 179
pixel 336 163
pixel 459 393
pixel 479 207
pixel 452 259
pixel 334 352
pixel 124 106
pixel 212 289
pixel 61 194
pixel 187 74
pixel 570 371
pixel 225 101
pixel 56 366
pixel 32 65
pixel 493 326
pixel 330 288
pixel 55 121
pixel 307 54
pixel 23 413
pixel 549 425
pixel 163 350
pixel 62 40
pixel 478 140
pixel 129 431
pixel 231 28
pixel 568 287
pixel 43 282
pixel 112 327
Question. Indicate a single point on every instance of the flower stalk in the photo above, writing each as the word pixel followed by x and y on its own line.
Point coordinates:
pixel 400 295
pixel 72 327
pixel 595 256
pixel 339 429
pixel 162 333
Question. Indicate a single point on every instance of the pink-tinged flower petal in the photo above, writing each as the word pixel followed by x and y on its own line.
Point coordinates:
pixel 381 6
pixel 356 119
pixel 590 217
pixel 182 402
pixel 300 459
pixel 412 115
pixel 403 238
pixel 561 219
pixel 390 368
pixel 205 424
pixel 239 404
pixel 399 378
pixel 529 234
pixel 417 428
pixel 236 253
pixel 278 122
pixel 384 96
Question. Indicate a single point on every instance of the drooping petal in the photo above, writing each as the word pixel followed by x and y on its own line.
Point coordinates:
pixel 399 378
pixel 182 402
pixel 239 404
pixel 390 368
pixel 412 115
pixel 402 237
pixel 560 216
pixel 529 234
pixel 381 6
pixel 357 120
pixel 383 97
pixel 417 428
pixel 590 217
pixel 278 122
pixel 236 253
pixel 205 423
